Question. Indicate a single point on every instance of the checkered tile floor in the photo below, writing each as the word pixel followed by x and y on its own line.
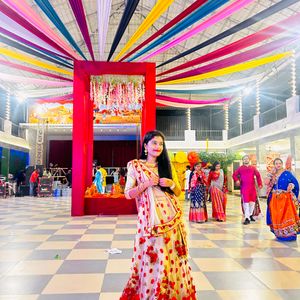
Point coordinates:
pixel 45 254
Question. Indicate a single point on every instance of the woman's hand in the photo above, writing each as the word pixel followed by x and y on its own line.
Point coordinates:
pixel 290 187
pixel 154 180
pixel 166 182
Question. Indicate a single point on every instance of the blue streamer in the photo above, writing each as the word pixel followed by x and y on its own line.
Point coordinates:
pixel 47 8
pixel 200 13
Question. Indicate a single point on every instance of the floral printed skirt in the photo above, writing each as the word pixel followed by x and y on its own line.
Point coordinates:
pixel 160 268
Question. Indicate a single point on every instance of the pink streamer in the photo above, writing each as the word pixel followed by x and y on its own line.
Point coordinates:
pixel 27 80
pixel 24 10
pixel 224 13
pixel 32 70
pixel 180 105
pixel 57 98
pixel 186 101
pixel 9 25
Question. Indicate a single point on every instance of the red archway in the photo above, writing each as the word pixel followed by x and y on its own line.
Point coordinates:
pixel 83 118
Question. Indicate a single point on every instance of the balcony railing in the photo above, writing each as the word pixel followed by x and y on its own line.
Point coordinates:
pixel 174 134
pixel 247 126
pixel 272 115
pixel 212 135
pixel 234 131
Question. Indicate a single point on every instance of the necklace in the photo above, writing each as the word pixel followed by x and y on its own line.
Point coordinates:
pixel 151 165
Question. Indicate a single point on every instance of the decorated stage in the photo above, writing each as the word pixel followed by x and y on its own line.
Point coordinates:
pixel 109 205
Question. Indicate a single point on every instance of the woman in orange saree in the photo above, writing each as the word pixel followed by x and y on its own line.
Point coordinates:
pixel 216 192
pixel 282 191
pixel 160 268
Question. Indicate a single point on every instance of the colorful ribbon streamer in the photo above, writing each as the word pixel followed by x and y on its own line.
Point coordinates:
pixel 188 101
pixel 206 86
pixel 33 52
pixel 60 99
pixel 19 33
pixel 103 12
pixel 159 8
pixel 24 15
pixel 126 17
pixel 200 13
pixel 290 25
pixel 234 69
pixel 219 16
pixel 79 13
pixel 37 81
pixel 236 59
pixel 49 11
pixel 31 70
pixel 32 61
pixel 46 92
pixel 174 21
pixel 247 23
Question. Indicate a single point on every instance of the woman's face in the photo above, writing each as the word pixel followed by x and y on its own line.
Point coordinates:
pixel 155 146
pixel 278 164
pixel 198 168
pixel 218 167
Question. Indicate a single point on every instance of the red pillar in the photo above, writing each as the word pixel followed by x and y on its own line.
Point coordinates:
pixel 80 141
pixel 149 105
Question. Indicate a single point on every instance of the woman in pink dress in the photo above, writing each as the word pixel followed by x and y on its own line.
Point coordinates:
pixel 160 268
pixel 217 192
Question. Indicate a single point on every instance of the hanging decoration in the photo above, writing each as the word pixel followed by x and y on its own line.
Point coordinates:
pixel 31 70
pixel 126 17
pixel 206 86
pixel 60 99
pixel 79 13
pixel 46 92
pixel 189 101
pixel 233 69
pixel 159 8
pixel 117 98
pixel 33 52
pixel 103 12
pixel 271 31
pixel 49 11
pixel 15 31
pixel 245 24
pixel 38 30
pixel 174 21
pixel 193 158
pixel 236 59
pixel 37 81
pixel 219 16
pixel 200 13
pixel 180 105
pixel 32 61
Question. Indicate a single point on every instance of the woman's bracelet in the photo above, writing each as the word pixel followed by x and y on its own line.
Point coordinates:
pixel 172 187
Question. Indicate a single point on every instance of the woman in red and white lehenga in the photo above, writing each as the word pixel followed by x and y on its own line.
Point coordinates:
pixel 160 268
pixel 217 192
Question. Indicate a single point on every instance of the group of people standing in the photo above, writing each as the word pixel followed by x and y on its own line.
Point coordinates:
pixel 160 267
pixel 200 187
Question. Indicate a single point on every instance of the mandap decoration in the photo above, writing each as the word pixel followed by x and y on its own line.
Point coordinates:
pixel 117 98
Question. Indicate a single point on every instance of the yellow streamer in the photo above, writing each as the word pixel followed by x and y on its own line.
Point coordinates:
pixel 32 61
pixel 159 8
pixel 232 69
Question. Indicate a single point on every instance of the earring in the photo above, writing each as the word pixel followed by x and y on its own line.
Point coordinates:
pixel 146 152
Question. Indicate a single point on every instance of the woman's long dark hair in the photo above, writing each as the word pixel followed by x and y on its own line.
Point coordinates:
pixel 163 161
pixel 213 167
